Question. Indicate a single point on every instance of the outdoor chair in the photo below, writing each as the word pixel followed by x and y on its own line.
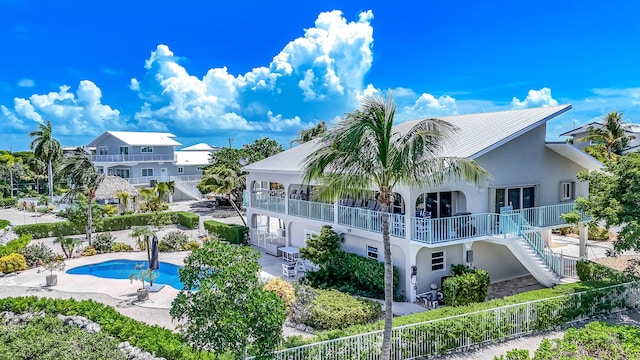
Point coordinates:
pixel 300 266
pixel 289 270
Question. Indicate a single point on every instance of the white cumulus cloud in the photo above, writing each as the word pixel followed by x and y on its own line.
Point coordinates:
pixel 535 98
pixel 71 114
pixel 319 73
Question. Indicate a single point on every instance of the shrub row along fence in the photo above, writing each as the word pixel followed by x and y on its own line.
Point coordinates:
pixel 432 338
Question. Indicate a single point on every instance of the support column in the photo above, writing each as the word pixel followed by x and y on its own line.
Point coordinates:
pixel 584 234
pixel 547 237
pixel 411 282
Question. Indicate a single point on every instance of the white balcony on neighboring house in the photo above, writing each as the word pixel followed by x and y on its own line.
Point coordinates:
pixel 132 159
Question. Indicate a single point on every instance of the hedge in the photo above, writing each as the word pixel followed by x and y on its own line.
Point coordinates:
pixel 154 339
pixel 591 271
pixel 8 202
pixel 15 245
pixel 467 288
pixel 4 223
pixel 188 220
pixel 112 223
pixel 235 234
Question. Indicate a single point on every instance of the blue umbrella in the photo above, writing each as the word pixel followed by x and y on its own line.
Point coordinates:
pixel 154 263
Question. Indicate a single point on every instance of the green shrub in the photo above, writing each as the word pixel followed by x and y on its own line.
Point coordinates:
pixel 191 245
pixel 598 233
pixel 353 274
pixel 235 234
pixel 37 231
pixel 36 254
pixel 65 228
pixel 4 223
pixel 470 287
pixel 283 289
pixel 8 202
pixel 49 338
pixel 188 220
pixel 591 271
pixel 332 309
pixel 154 339
pixel 103 242
pixel 12 263
pixel 15 245
pixel 514 355
pixel 173 241
pixel 121 247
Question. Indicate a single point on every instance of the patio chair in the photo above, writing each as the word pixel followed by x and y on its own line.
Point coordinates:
pixel 300 266
pixel 289 270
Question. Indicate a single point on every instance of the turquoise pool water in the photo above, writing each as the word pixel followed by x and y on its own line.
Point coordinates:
pixel 121 269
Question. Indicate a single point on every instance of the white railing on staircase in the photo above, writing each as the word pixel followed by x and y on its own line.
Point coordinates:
pixel 188 189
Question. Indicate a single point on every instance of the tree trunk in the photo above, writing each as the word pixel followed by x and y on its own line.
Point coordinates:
pixel 237 210
pixel 385 352
pixel 89 220
pixel 50 174
pixel 11 178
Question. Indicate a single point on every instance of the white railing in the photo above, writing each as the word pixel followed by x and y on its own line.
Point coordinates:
pixel 569 266
pixel 370 220
pixel 268 202
pixel 245 199
pixel 441 230
pixel 312 210
pixel 186 178
pixel 543 216
pixel 132 158
pixel 461 332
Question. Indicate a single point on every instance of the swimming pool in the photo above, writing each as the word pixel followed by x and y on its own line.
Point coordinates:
pixel 122 269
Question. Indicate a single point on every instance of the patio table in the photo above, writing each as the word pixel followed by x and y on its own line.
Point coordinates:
pixel 290 254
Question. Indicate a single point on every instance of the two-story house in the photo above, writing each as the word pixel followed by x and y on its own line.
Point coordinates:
pixel 575 135
pixel 502 227
pixel 144 158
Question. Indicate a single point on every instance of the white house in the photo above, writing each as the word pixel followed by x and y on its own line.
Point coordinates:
pixel 144 158
pixel 632 130
pixel 502 227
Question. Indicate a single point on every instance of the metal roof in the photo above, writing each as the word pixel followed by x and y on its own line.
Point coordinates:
pixel 134 138
pixel 477 135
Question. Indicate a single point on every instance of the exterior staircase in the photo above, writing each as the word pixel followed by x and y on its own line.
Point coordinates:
pixel 187 189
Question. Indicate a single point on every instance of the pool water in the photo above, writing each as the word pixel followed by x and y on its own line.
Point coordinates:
pixel 122 269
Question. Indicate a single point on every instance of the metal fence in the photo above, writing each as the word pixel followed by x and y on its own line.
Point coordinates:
pixel 433 338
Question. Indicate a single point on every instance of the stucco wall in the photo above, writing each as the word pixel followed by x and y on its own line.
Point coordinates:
pixel 425 276
pixel 497 260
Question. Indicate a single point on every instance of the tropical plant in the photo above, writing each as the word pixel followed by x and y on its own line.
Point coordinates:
pixel 104 242
pixel 612 134
pixel 165 189
pixel 37 253
pixel 230 311
pixel 306 135
pixel 322 249
pixel 55 264
pixel 39 170
pixel 140 233
pixel 142 272
pixel 223 180
pixel 10 160
pixel 363 152
pixel 123 197
pixel 85 179
pixel 67 244
pixel 46 148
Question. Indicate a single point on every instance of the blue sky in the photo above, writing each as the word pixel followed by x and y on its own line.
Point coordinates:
pixel 210 71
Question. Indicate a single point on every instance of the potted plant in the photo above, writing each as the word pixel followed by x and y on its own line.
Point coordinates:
pixel 142 272
pixel 55 264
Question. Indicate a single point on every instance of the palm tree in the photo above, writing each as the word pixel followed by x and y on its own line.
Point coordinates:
pixel 310 134
pixel 166 188
pixel 85 180
pixel 67 244
pixel 123 198
pixel 223 180
pixel 363 152
pixel 38 168
pixel 612 134
pixel 47 148
pixel 140 233
pixel 10 160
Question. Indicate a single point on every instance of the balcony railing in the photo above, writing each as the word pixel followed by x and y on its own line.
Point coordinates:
pixel 312 210
pixel 133 158
pixel 268 202
pixel 370 220
pixel 543 216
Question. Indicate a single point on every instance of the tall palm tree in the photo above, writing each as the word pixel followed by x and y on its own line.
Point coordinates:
pixel 47 148
pixel 10 160
pixel 38 168
pixel 363 152
pixel 612 134
pixel 223 180
pixel 85 179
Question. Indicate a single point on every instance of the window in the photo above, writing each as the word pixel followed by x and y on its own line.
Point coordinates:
pixel 372 252
pixel 100 170
pixel 180 170
pixel 146 149
pixel 437 261
pixel 103 150
pixel 567 191
pixel 124 150
pixel 147 172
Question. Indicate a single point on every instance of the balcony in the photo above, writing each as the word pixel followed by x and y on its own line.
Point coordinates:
pixel 265 201
pixel 545 216
pixel 312 210
pixel 370 220
pixel 132 158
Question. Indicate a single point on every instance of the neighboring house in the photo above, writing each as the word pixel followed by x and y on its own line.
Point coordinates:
pixel 502 227
pixel 582 131
pixel 144 158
